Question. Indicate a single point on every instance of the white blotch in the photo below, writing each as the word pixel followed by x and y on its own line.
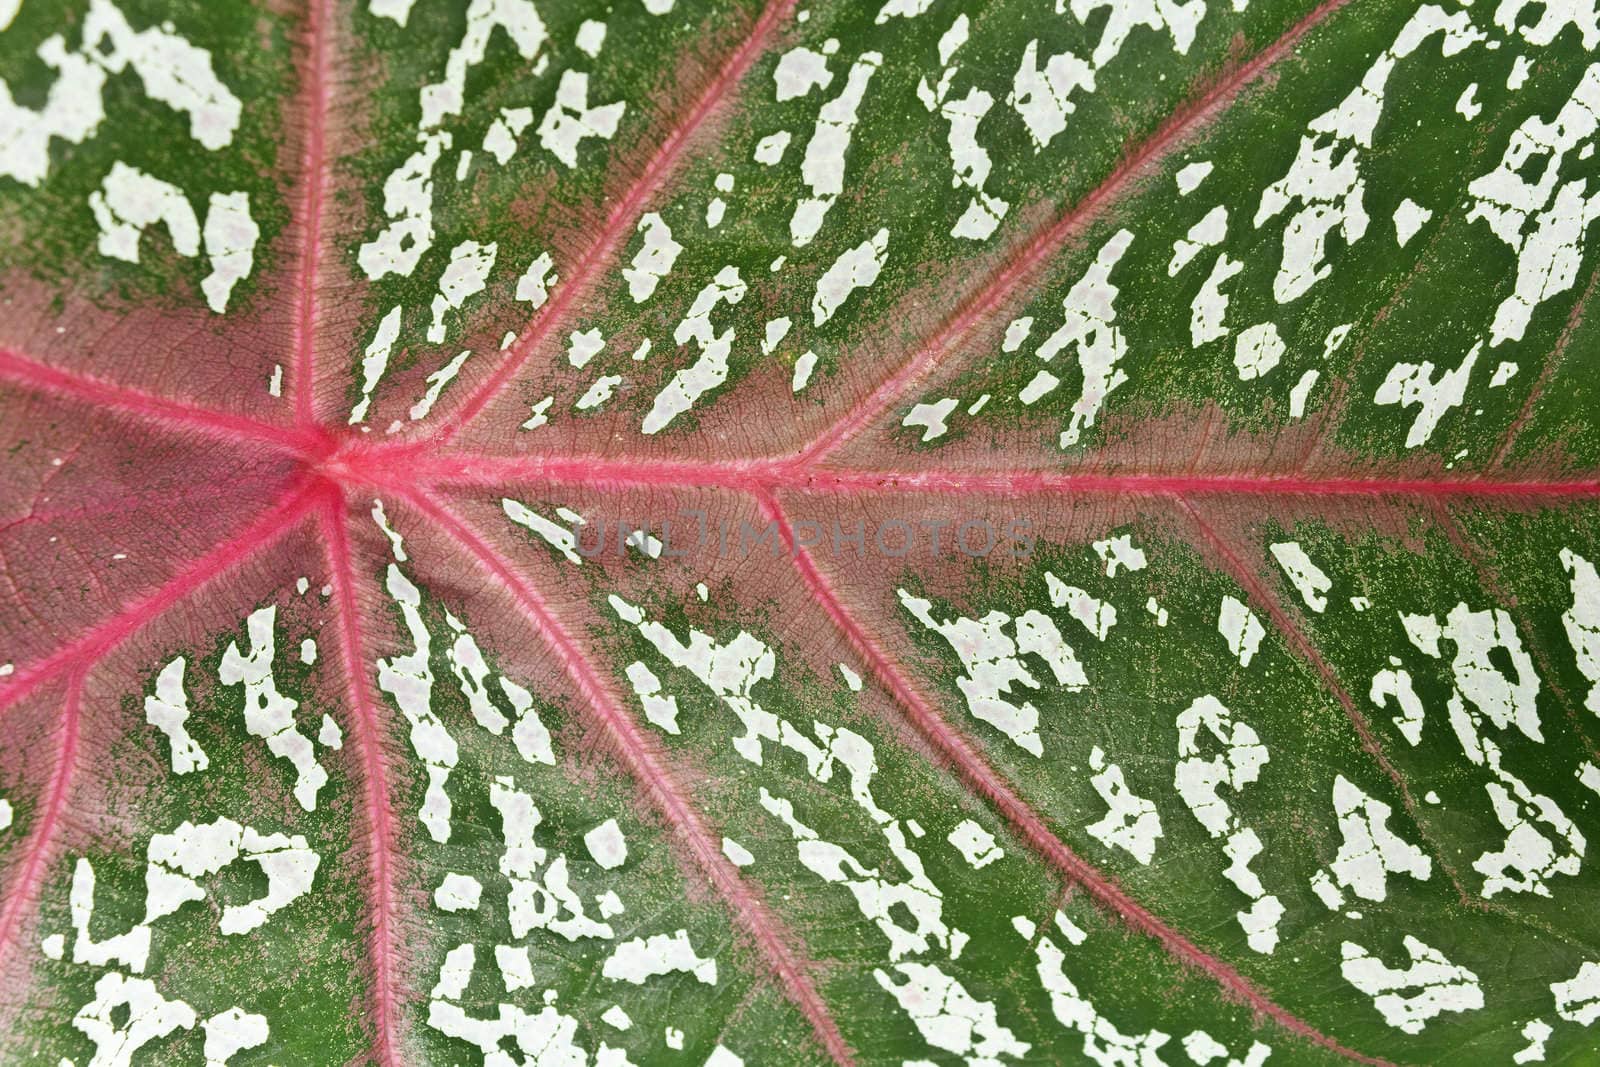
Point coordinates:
pixel 571 119
pixel 1198 780
pixel 931 417
pixel 607 845
pixel 1412 384
pixel 992 660
pixel 130 201
pixel 1578 998
pixel 737 854
pixel 855 269
pixel 1131 822
pixel 536 900
pixel 148 1016
pixel 458 892
pixel 654 259
pixel 711 369
pixel 777 330
pixel 1209 308
pixel 1439 985
pixel 907 9
pixel 536 282
pixel 1118 553
pixel 591 36
pixel 173 71
pixel 1306 577
pixel 72 112
pixel 1040 386
pixel 1301 391
pixel 968 159
pixel 330 736
pixel 395 10
pixel 1535 1033
pixel 408 204
pixel 500 140
pixel 167 711
pixel 1240 629
pixel 1553 18
pixel 465 276
pixel 397 544
pixel 1369 851
pixel 1190 177
pixel 851 678
pixel 1088 318
pixel 1409 217
pixel 230 242
pixel 1582 622
pixel 409 679
pixel 436 383
pixel 803 368
pixel 233 1031
pixel 1395 682
pixel 770 149
pixel 1097 616
pixel 1103 1042
pixel 1521 66
pixel 976 845
pixel 1257 351
pixel 584 345
pixel 375 361
pixel 801 70
pixel 308 651
pixel 643 958
pixel 598 392
pixel 948 1017
pixel 268 713
pixel 659 710
pixel 823 168
pixel 1483 691
pixel 1466 106
pixel 1207 233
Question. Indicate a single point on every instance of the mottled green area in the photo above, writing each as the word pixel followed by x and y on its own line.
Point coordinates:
pixel 50 232
pixel 578 794
pixel 301 969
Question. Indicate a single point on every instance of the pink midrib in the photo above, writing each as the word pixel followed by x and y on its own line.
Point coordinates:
pixel 774 475
pixel 314 177
pixel 381 950
pixel 955 748
pixel 998 290
pixel 663 790
pixel 619 223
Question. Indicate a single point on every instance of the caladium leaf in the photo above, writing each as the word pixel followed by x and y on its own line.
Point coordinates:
pixel 683 531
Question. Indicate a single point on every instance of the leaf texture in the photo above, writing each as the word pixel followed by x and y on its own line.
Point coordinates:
pixel 689 531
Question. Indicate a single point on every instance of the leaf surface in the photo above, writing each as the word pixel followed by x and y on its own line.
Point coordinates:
pixel 687 531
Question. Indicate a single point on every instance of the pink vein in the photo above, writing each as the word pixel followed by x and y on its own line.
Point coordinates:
pixel 600 471
pixel 314 176
pixel 264 531
pixel 368 737
pixel 63 383
pixel 950 743
pixel 1032 256
pixel 569 292
pixel 19 897
pixel 667 794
